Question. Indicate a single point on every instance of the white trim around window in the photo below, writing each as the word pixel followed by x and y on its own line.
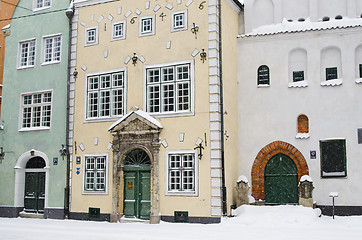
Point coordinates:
pixel 105 97
pixel 91 36
pixel 35 111
pixel 162 86
pixel 95 173
pixel 26 54
pixel 179 21
pixel 39 5
pixel 119 30
pixel 51 49
pixel 147 25
pixel 182 165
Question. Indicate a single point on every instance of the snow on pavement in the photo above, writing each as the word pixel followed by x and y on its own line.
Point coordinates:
pixel 251 222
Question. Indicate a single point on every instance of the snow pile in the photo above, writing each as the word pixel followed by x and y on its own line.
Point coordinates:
pixel 306 25
pixel 274 215
pixel 306 178
pixel 243 179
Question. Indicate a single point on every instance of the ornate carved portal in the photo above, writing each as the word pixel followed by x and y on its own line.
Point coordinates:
pixel 137 130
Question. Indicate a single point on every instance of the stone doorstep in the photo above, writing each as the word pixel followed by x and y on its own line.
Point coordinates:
pixel 133 220
pixel 31 215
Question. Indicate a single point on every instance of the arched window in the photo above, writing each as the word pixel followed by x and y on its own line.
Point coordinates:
pixel 263 75
pixel 303 127
pixel 331 67
pixel 35 162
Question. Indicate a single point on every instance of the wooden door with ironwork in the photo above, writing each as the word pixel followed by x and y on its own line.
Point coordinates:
pixel 34 195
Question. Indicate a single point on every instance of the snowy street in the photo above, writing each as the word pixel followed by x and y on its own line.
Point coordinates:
pixel 282 222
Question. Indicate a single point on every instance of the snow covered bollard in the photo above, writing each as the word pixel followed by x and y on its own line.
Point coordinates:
pixel 306 191
pixel 242 189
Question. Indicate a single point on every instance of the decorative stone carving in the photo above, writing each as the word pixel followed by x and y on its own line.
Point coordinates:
pixel 242 189
pixel 306 191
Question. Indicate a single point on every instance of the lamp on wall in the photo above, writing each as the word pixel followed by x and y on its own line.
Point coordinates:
pixel 134 59
pixel 2 154
pixel 63 151
pixel 75 74
pixel 203 55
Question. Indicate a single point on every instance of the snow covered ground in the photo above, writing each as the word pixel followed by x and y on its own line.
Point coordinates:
pixel 252 223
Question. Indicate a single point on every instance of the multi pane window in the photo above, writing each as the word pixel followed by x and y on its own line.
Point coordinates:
pixel 263 75
pixel 169 89
pixel 181 172
pixel 27 54
pixel 91 36
pixel 95 173
pixel 333 158
pixel 331 73
pixel 42 4
pixel 298 76
pixel 105 95
pixel 36 110
pixel 360 70
pixel 179 21
pixel 119 30
pixel 147 26
pixel 52 49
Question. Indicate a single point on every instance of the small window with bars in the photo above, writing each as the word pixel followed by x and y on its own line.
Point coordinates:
pixel 298 76
pixel 263 76
pixel 36 111
pixel 331 73
pixel 95 173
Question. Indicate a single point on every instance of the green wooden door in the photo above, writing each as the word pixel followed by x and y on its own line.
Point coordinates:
pixel 281 180
pixel 137 185
pixel 34 195
pixel 137 201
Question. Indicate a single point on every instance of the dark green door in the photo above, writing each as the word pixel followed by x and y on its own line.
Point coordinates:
pixel 281 180
pixel 137 185
pixel 34 196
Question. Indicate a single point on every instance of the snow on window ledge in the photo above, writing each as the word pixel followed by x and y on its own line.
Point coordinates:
pixel 334 174
pixel 334 82
pixel 302 135
pixel 298 84
pixel 263 85
pixel 359 80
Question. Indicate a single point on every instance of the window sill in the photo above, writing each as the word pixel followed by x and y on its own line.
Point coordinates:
pixel 50 63
pixel 94 193
pixel 178 29
pixel 263 86
pixel 332 83
pixel 146 34
pixel 171 115
pixel 118 38
pixel 300 84
pixel 25 67
pixel 359 80
pixel 90 44
pixel 302 136
pixel 334 174
pixel 182 193
pixel 33 129
pixel 35 10
pixel 108 119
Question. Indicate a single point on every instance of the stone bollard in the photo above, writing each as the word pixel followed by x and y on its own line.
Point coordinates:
pixel 306 191
pixel 242 189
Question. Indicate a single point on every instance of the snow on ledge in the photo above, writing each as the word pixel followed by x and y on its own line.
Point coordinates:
pixel 359 80
pixel 334 82
pixel 302 135
pixel 299 84
pixel 263 85
pixel 306 178
pixel 242 178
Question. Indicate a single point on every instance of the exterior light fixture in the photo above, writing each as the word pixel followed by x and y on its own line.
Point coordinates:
pixel 195 29
pixel 75 73
pixel 63 151
pixel 2 154
pixel 32 153
pixel 203 55
pixel 134 59
pixel 199 147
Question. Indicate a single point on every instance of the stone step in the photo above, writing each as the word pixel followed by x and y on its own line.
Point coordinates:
pixel 31 215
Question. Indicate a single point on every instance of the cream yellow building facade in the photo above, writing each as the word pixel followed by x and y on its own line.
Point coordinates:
pixel 149 129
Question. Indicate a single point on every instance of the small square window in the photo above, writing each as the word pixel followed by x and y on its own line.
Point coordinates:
pixel 147 26
pixel 119 30
pixel 360 70
pixel 298 76
pixel 179 21
pixel 333 158
pixel 331 73
pixel 91 36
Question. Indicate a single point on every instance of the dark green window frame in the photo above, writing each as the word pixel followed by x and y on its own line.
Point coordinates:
pixel 333 158
pixel 298 76
pixel 263 75
pixel 331 73
pixel 360 71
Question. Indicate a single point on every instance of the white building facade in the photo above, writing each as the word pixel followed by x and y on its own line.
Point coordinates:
pixel 300 70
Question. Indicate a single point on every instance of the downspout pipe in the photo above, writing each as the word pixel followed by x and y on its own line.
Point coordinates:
pixel 70 13
pixel 223 187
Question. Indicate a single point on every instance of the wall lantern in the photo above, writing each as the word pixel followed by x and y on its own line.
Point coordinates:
pixel 2 154
pixel 203 55
pixel 75 74
pixel 195 29
pixel 199 147
pixel 134 59
pixel 63 151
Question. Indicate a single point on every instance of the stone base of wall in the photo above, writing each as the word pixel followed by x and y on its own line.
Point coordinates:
pixel 54 213
pixel 85 217
pixel 340 210
pixel 10 212
pixel 203 220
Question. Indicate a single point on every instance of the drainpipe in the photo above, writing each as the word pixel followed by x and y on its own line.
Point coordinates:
pixel 69 12
pixel 223 187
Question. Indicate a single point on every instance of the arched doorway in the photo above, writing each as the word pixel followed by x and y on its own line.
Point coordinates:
pixel 281 180
pixel 137 184
pixel 34 195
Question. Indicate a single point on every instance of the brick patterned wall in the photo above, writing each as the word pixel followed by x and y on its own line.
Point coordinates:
pixel 257 172
pixel 303 124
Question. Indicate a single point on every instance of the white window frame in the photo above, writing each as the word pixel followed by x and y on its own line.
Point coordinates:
pixel 123 36
pixel 88 43
pixel 54 36
pixel 196 174
pixel 124 88
pixel 22 106
pixel 92 192
pixel 185 22
pixel 175 113
pixel 153 26
pixel 36 8
pixel 20 54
